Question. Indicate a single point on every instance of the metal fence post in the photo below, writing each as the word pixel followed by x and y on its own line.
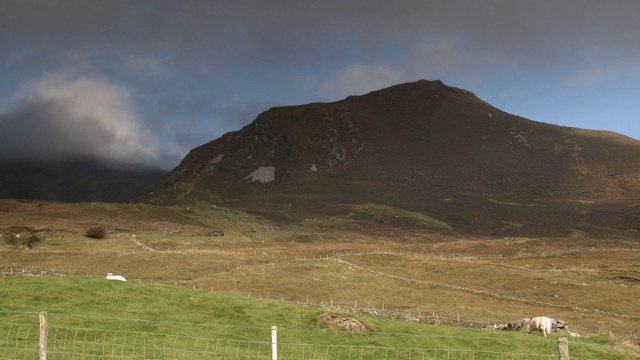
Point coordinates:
pixel 42 336
pixel 563 348
pixel 274 342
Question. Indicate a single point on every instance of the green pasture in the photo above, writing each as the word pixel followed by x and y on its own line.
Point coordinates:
pixel 138 309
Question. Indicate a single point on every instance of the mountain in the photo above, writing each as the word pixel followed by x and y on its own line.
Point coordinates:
pixel 76 180
pixel 423 155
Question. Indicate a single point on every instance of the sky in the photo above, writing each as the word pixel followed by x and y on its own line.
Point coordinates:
pixel 146 81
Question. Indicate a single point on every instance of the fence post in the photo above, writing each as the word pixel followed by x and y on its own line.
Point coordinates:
pixel 42 336
pixel 563 348
pixel 274 343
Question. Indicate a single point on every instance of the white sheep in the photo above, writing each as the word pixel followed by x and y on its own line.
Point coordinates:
pixel 539 323
pixel 110 276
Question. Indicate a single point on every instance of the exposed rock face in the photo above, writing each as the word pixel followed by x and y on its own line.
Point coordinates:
pixel 423 147
pixel 263 175
pixel 343 324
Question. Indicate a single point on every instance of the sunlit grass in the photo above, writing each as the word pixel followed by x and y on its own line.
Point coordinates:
pixel 76 302
pixel 332 261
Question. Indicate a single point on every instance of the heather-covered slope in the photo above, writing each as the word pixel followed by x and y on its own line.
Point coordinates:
pixel 75 180
pixel 420 148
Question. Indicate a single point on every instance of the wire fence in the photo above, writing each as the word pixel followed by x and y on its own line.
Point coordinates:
pixel 21 342
pixel 31 341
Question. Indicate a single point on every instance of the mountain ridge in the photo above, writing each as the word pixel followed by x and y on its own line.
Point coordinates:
pixel 79 179
pixel 424 147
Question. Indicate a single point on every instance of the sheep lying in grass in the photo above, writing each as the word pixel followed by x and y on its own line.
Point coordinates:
pixel 110 276
pixel 539 323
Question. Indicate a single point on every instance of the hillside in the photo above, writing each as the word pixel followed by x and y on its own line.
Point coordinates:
pixel 75 180
pixel 417 277
pixel 420 148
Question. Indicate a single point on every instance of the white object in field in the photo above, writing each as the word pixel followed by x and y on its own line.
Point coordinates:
pixel 110 276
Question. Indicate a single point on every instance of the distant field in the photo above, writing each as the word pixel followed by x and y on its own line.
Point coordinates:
pixel 351 265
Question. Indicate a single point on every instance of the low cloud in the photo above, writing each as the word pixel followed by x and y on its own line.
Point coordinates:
pixel 60 116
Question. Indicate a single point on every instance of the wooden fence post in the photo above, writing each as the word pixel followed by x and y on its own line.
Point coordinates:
pixel 42 336
pixel 563 348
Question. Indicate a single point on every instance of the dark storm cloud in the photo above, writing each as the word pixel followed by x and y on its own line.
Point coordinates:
pixel 279 33
pixel 61 116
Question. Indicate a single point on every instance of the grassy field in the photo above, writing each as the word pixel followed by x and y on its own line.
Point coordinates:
pixel 214 265
pixel 140 307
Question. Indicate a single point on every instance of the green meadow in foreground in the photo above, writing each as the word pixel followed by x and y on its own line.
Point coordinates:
pixel 145 308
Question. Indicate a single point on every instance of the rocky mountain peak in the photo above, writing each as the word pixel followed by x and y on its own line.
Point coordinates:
pixel 423 147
